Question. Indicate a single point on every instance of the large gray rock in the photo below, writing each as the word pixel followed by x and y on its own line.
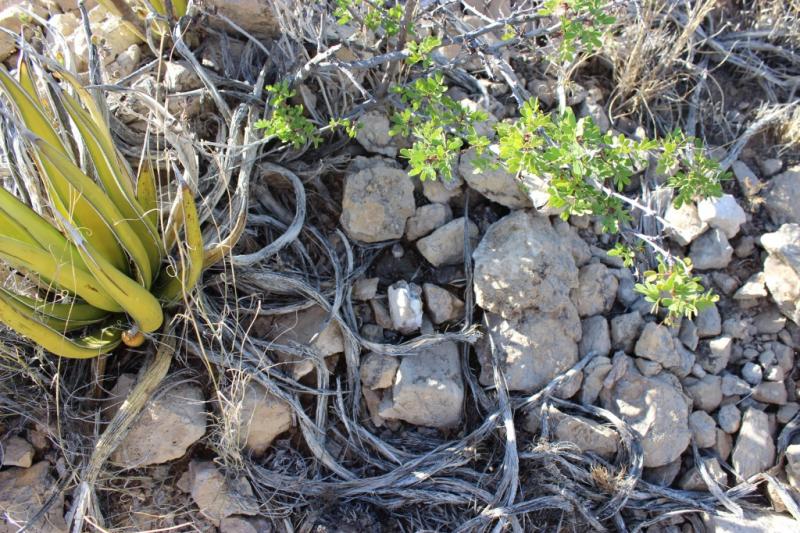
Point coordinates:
pixel 428 388
pixel 169 423
pixel 405 306
pixel 17 452
pixel 521 264
pixel 657 410
pixel 656 343
pixel 445 246
pixel 723 213
pixel 755 450
pixel 753 522
pixel 218 497
pixel 711 250
pixel 782 269
pixel 782 198
pixel 496 184
pixel 588 435
pixel 23 491
pixel 377 202
pixel 442 305
pixel 258 417
pixel 532 349
pixel 427 218
pixel 684 223
pixel 378 371
pixel 596 291
pixel 596 337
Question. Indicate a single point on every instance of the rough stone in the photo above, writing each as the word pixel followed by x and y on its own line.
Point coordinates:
pixel 428 390
pixel 439 191
pixel 520 264
pixel 625 330
pixel 684 223
pixel 752 373
pixel 769 321
pixel 496 184
pixel 761 522
pixel 656 343
pixel 755 450
pixel 723 213
pixel 782 269
pixel 179 77
pixel 657 410
pixel 647 367
pixel 254 16
pixel 706 392
pixel 16 451
pixel 373 133
pixel 109 30
pixel 754 288
pixel 693 480
pixel 377 202
pixel 532 349
pixel 688 334
pixel 769 167
pixel 772 392
pixel 786 412
pixel 445 246
pixel 588 435
pixel 169 423
pixel 427 218
pixel 708 322
pixel 596 291
pixel 259 418
pixel 378 371
pixel 749 184
pixel 10 14
pixel 781 199
pixel 442 305
pixel 365 289
pixel 23 491
pixel 405 307
pixel 711 250
pixel 218 497
pixel 734 386
pixel 581 252
pixel 704 429
pixel 718 355
pixel 729 418
pixel 593 376
pixel 595 336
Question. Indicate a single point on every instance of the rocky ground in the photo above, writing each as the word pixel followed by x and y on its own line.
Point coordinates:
pixel 478 311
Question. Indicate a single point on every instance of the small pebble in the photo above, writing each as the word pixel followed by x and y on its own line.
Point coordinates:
pixel 774 373
pixel 752 373
pixel 697 371
pixel 398 251
pixel 734 386
pixel 729 418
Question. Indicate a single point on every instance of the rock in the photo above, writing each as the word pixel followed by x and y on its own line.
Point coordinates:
pixel 373 133
pixel 704 429
pixel 442 305
pixel 705 392
pixel 723 213
pixel 381 314
pixel 711 250
pixel 655 409
pixel 16 451
pixel 259 417
pixel 662 476
pixel 23 491
pixel 588 435
pixel 365 289
pixel 595 337
pixel 693 480
pixel 237 524
pixel 749 184
pixel 781 198
pixel 625 331
pixel 729 418
pixel 482 127
pixel 772 392
pixel 596 291
pixel 753 522
pixel 254 16
pixel 594 375
pixel 125 63
pixel 405 307
pixel 684 223
pixel 11 17
pixel 648 368
pixel 532 349
pixel 769 322
pixel 656 344
pixel 746 246
pixel 752 373
pixel 110 31
pixel 427 218
pixel 438 191
pixel 179 77
pixel 724 445
pixel 428 390
pixel 688 334
pixel 708 322
pixel 377 202
pixel 782 269
pixel 754 451
pixel 581 252
pixel 687 363
pixel 770 167
pixel 378 371
pixel 494 183
pixel 218 497
pixel 445 246
pixel 63 24
pixel 170 422
pixel 719 353
pixel 304 327
pixel 733 386
pixel 754 288
pixel 520 264
pixel 787 412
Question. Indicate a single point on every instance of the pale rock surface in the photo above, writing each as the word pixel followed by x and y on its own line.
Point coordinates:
pixel 16 451
pixel 442 305
pixel 169 423
pixel 782 269
pixel 625 331
pixel 782 198
pixel 684 223
pixel 179 77
pixel 373 133
pixel 656 410
pixel 427 218
pixel 496 184
pixel 111 33
pixel 593 376
pixel 693 480
pixel 260 417
pixel 754 451
pixel 365 289
pixel 405 307
pixel 596 291
pixel 723 213
pixel 445 246
pixel 377 202
pixel 656 343
pixel 729 418
pixel 23 491
pixel 588 435
pixel 443 191
pixel 596 337
pixel 521 264
pixel 254 16
pixel 704 429
pixel 711 250
pixel 532 349
pixel 749 183
pixel 218 497
pixel 378 371
pixel 708 322
pixel 761 522
pixel 428 389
